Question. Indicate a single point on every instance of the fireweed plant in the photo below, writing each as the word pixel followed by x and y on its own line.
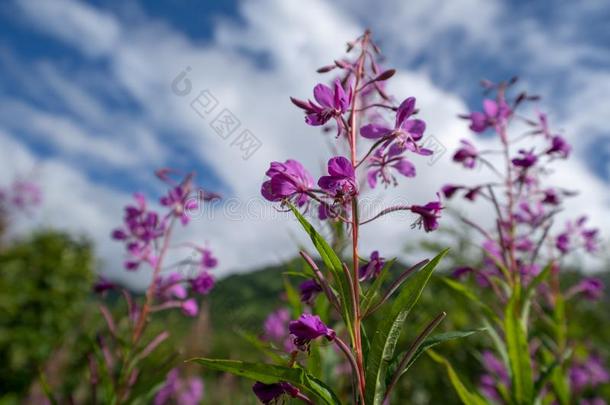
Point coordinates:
pixel 148 236
pixel 376 152
pixel 534 359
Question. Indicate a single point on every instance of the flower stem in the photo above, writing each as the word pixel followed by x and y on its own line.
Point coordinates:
pixel 150 292
pixel 352 139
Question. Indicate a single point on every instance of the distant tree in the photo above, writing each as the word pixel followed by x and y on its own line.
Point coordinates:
pixel 45 282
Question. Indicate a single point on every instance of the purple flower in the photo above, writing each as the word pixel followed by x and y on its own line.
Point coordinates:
pixel 268 393
pixel 466 155
pixel 208 261
pixel 141 228
pixel 287 180
pixel 527 159
pixel 472 193
pixel 494 113
pixel 559 147
pixel 532 214
pixel 307 328
pixel 309 289
pixel 170 287
pixel 494 366
pixel 591 288
pixel 590 373
pixel 524 244
pixel 429 215
pixel 487 385
pixel 190 307
pixel 192 392
pixel 178 200
pixel 331 103
pixel 276 329
pixel 449 190
pixel 404 135
pixel 373 268
pixel 461 272
pixel 103 285
pixel 203 283
pixel 341 181
pixel 590 239
pixel 551 197
pixel 164 395
pixel 380 164
pixel 563 242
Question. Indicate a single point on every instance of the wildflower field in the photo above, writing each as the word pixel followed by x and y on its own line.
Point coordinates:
pixel 284 212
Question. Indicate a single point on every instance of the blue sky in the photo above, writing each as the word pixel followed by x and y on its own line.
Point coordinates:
pixel 86 103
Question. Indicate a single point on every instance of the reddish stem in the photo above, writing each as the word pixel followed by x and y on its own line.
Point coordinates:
pixel 356 285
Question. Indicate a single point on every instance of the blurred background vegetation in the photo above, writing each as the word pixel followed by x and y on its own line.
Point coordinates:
pixel 49 321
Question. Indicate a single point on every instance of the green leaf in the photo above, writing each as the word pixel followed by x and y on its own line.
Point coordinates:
pixel 467 396
pixel 333 263
pixel 270 374
pixel 429 343
pixel 388 331
pixel 518 354
pixel 531 288
pixel 470 295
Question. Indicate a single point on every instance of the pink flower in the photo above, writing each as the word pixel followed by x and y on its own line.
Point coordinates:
pixel 466 154
pixel 331 103
pixel 404 135
pixel 203 283
pixel 307 328
pixel 429 215
pixel 381 163
pixel 341 180
pixel 494 113
pixel 287 180
pixel 190 307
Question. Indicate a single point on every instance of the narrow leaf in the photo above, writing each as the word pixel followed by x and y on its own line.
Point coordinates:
pixel 270 374
pixel 431 342
pixel 333 263
pixel 388 331
pixel 470 295
pixel 518 354
pixel 468 397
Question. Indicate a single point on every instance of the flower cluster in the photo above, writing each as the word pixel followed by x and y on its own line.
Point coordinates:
pixel 146 233
pixel 521 250
pixel 386 157
pixel 379 153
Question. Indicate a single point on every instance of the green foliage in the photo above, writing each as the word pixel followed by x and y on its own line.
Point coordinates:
pixel 45 281
pixel 334 265
pixel 270 374
pixel 388 332
pixel 518 353
pixel 467 396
